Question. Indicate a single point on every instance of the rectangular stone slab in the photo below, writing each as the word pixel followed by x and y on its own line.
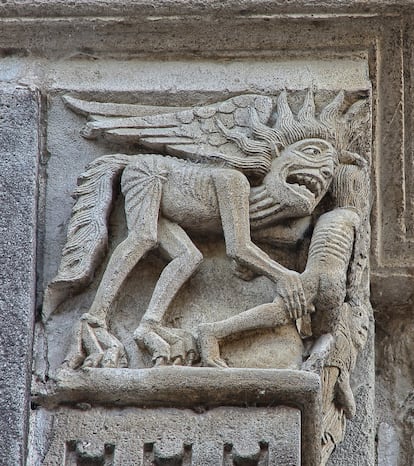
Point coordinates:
pixel 169 436
pixel 178 386
pixel 19 149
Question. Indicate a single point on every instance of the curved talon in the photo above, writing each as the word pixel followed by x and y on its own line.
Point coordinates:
pixel 93 360
pixel 94 346
pixel 112 358
pixel 160 361
pixel 178 361
pixel 73 362
pixel 166 345
pixel 191 358
pixel 149 340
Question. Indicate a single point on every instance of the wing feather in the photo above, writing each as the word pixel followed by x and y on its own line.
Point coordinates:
pixel 94 109
pixel 196 133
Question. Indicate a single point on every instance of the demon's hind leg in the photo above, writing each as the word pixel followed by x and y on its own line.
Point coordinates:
pixel 166 344
pixel 94 345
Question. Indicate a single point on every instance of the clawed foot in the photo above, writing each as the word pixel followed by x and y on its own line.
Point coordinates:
pixel 209 347
pixel 94 346
pixel 166 345
pixel 316 362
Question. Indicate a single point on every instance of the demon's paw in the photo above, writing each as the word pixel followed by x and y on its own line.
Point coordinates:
pixel 94 346
pixel 166 345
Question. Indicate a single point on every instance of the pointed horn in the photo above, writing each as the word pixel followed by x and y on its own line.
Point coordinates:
pixel 307 112
pixel 355 109
pixel 306 117
pixel 284 113
pixel 353 123
pixel 285 122
pixel 330 113
pixel 351 158
pixel 273 137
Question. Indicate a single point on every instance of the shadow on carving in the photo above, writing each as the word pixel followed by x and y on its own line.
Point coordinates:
pixel 257 457
pixel 82 453
pixel 158 455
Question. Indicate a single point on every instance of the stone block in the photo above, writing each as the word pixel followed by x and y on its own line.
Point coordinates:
pixel 230 436
pixel 19 153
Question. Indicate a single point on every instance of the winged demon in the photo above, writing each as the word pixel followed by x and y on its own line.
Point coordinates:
pixel 235 166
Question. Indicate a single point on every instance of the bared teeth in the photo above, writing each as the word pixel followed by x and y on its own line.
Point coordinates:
pixel 308 182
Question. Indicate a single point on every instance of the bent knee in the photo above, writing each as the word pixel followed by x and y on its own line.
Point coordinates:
pixel 192 258
pixel 134 240
pixel 242 253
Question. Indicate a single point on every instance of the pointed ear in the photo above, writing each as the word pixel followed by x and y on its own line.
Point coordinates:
pixel 351 158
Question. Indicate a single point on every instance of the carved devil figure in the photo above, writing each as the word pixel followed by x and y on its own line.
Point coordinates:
pixel 239 168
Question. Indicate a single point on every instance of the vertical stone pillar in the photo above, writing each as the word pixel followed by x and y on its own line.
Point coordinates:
pixel 19 150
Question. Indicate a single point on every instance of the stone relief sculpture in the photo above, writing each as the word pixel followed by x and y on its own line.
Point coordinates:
pixel 244 167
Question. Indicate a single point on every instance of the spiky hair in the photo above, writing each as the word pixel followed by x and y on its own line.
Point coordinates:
pixel 341 129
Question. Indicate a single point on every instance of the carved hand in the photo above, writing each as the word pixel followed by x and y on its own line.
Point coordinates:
pixel 290 289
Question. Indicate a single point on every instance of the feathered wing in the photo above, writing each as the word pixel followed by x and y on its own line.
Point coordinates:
pixel 213 133
pixel 87 234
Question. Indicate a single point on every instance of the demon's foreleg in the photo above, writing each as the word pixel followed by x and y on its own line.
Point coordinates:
pixel 324 284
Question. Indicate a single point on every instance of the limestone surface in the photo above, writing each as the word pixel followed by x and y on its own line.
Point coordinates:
pixel 193 54
pixel 19 143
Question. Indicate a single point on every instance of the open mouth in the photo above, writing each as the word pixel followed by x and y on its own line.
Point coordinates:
pixel 306 183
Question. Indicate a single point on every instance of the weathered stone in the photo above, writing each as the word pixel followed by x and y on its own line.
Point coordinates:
pixel 19 149
pixel 133 436
pixel 94 49
pixel 271 175
pixel 388 445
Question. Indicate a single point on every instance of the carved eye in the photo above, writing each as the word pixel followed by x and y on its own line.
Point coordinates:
pixel 311 150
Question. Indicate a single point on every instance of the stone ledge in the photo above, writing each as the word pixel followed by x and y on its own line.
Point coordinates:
pixel 181 386
pixel 42 9
pixel 96 28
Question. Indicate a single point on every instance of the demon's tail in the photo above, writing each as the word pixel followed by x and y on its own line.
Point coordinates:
pixel 87 235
